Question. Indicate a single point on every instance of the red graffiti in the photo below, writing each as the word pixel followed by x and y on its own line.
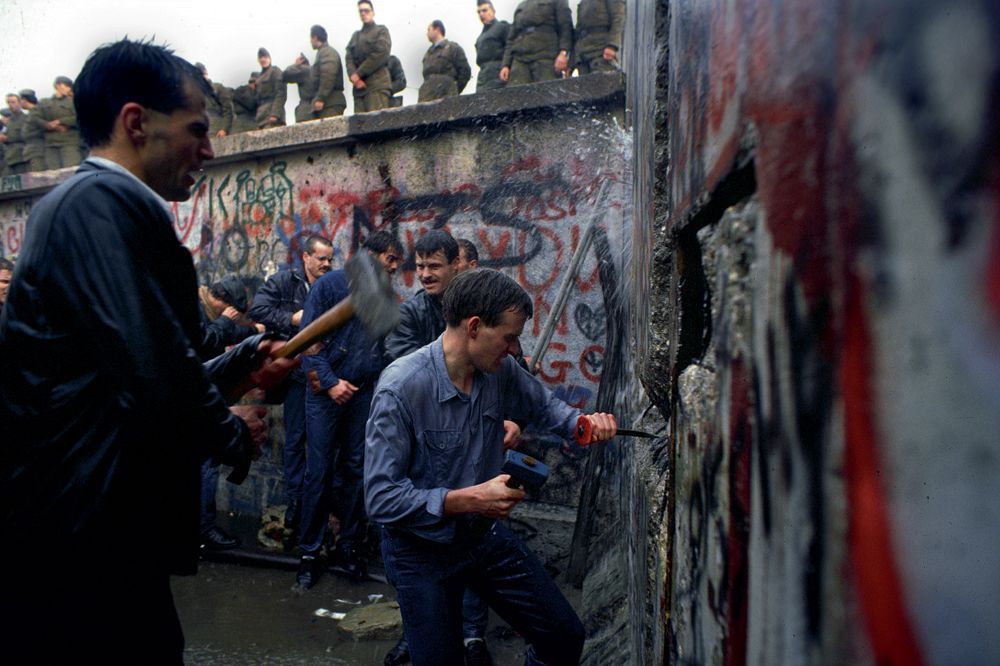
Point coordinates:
pixel 560 368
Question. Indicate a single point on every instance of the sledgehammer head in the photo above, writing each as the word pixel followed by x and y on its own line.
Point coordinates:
pixel 524 470
pixel 371 294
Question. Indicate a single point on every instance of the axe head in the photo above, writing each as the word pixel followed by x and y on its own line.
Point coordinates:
pixel 372 298
pixel 528 471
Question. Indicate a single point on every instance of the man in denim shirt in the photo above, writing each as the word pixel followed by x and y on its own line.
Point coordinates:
pixel 433 453
pixel 340 380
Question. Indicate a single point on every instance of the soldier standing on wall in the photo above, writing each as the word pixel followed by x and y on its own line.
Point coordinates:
pixel 367 59
pixel 329 100
pixel 539 42
pixel 62 135
pixel 219 107
pixel 13 145
pixel 398 79
pixel 598 35
pixel 490 46
pixel 245 105
pixel 301 74
pixel 32 132
pixel 271 93
pixel 446 69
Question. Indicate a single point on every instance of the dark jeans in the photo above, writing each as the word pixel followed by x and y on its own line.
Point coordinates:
pixel 475 615
pixel 293 456
pixel 430 578
pixel 335 448
pixel 209 484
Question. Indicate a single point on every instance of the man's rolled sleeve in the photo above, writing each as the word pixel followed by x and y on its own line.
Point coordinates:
pixel 391 498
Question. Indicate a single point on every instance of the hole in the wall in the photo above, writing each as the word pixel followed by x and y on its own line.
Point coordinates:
pixel 694 294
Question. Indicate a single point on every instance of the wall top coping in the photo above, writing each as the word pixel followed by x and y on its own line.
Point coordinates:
pixel 487 108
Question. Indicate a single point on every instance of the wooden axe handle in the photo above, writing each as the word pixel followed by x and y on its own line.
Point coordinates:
pixel 318 329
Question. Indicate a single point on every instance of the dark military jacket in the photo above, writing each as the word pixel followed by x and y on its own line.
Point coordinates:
pixel 271 96
pixel 446 71
pixel 303 76
pixel 220 110
pixel 61 109
pixel 329 76
pixel 368 55
pixel 33 135
pixel 541 29
pixel 14 145
pixel 244 109
pixel 396 75
pixel 490 46
pixel 598 25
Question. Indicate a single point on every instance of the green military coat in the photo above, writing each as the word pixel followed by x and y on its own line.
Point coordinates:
pixel 271 97
pixel 490 46
pixel 446 71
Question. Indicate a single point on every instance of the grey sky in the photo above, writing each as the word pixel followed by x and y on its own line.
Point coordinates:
pixel 45 38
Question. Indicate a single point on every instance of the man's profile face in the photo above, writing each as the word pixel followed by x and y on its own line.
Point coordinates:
pixel 463 263
pixel 5 276
pixel 176 146
pixel 319 262
pixel 390 260
pixel 435 272
pixel 315 41
pixel 491 344
pixel 431 33
pixel 366 12
pixel 486 13
pixel 14 103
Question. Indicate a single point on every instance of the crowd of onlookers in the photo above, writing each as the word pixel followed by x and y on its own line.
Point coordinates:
pixel 540 43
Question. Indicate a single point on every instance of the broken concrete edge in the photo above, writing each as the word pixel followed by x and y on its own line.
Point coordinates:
pixel 487 109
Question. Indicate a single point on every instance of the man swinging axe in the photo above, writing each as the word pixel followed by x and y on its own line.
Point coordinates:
pixel 433 460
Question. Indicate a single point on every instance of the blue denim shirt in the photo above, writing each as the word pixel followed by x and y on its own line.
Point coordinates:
pixel 425 437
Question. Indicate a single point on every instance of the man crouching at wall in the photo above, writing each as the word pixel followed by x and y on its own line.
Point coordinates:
pixel 433 452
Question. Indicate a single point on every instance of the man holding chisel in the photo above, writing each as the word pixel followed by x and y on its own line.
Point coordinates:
pixel 432 460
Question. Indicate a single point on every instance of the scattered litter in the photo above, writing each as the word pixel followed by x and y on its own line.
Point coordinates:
pixel 348 602
pixel 333 615
pixel 372 598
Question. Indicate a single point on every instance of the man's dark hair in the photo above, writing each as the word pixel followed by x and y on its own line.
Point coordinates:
pixel 6 265
pixel 434 240
pixel 483 293
pixel 232 291
pixel 128 71
pixel 471 253
pixel 380 241
pixel 319 32
pixel 438 25
pixel 310 245
pixel 370 4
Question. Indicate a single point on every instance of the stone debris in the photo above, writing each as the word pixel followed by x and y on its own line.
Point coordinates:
pixel 380 621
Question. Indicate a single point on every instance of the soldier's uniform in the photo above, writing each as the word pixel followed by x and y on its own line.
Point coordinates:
pixel 598 25
pixel 397 78
pixel 271 97
pixel 303 76
pixel 13 157
pixel 446 71
pixel 368 55
pixel 33 134
pixel 244 109
pixel 62 149
pixel 541 29
pixel 220 110
pixel 329 76
pixel 490 46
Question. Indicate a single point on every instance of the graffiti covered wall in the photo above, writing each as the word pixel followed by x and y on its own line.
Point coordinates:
pixel 521 191
pixel 816 320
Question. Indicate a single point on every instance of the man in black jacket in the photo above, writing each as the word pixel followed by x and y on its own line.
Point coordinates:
pixel 106 409
pixel 278 306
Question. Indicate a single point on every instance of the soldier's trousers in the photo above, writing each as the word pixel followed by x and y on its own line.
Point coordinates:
pixel 373 100
pixel 522 72
pixel 598 64
pixel 59 156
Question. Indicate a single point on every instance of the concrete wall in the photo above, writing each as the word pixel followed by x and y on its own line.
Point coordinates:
pixel 517 172
pixel 816 318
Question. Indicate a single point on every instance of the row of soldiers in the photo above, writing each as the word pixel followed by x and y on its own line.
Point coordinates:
pixel 40 135
pixel 540 44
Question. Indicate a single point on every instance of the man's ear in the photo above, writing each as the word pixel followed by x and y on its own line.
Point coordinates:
pixel 133 120
pixel 472 326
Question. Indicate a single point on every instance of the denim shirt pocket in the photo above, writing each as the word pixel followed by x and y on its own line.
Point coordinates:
pixel 444 448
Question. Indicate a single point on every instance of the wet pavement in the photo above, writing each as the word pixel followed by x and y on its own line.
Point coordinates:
pixel 238 613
